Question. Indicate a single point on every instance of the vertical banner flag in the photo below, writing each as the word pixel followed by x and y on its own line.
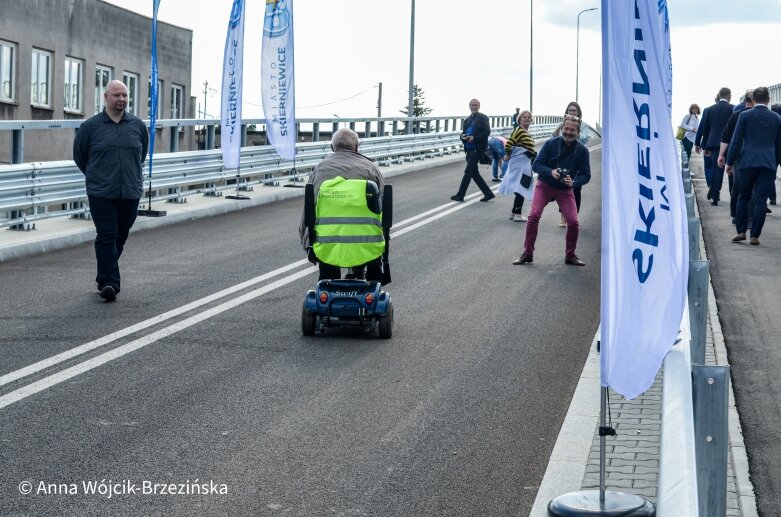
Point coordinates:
pixel 232 75
pixel 277 77
pixel 645 254
pixel 153 93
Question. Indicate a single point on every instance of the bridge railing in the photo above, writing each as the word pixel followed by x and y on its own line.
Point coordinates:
pixel 40 190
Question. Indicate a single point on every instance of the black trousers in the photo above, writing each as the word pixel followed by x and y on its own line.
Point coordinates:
pixel 329 272
pixel 113 219
pixel 473 173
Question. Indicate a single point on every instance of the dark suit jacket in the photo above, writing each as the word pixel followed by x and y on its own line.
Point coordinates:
pixel 758 138
pixel 714 120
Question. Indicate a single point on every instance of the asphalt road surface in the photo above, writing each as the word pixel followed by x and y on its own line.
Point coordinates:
pixel 197 381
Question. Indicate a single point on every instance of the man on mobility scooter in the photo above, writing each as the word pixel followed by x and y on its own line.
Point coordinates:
pixel 344 225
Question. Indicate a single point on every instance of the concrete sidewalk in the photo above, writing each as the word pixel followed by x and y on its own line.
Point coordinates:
pixel 633 455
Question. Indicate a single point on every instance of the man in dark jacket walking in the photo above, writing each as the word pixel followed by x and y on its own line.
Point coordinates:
pixel 109 149
pixel 474 134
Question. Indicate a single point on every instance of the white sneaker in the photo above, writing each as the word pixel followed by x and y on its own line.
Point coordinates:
pixel 518 218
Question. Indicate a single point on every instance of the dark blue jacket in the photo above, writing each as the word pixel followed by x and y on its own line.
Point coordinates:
pixel 556 155
pixel 714 120
pixel 758 139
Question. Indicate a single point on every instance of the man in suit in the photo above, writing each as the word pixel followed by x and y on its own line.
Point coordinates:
pixel 757 139
pixel 726 136
pixel 708 140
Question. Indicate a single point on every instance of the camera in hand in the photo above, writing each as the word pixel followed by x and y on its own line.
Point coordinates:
pixel 563 174
pixel 464 137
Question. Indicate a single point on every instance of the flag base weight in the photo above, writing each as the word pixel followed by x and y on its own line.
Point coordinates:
pixel 152 213
pixel 237 196
pixel 586 503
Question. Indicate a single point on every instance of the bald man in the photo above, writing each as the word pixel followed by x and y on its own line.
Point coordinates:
pixel 109 149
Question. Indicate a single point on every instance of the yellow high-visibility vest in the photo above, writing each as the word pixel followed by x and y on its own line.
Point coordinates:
pixel 347 233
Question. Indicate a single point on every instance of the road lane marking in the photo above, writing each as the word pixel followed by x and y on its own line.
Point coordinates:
pixel 110 338
pixel 141 342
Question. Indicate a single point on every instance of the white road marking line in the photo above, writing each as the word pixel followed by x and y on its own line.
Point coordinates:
pixel 118 352
pixel 110 338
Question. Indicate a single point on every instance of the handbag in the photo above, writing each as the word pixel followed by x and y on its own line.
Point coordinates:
pixel 486 158
pixel 681 133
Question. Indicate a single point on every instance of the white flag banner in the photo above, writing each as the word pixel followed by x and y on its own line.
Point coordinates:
pixel 232 75
pixel 278 78
pixel 645 254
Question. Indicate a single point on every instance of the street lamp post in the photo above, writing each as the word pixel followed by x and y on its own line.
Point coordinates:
pixel 411 68
pixel 577 51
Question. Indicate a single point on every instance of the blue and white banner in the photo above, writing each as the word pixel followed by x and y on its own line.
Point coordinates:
pixel 645 254
pixel 232 76
pixel 154 87
pixel 277 77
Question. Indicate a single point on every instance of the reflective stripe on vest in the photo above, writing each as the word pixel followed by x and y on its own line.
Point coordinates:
pixel 347 233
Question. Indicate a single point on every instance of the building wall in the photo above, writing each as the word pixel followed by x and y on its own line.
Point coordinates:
pixel 97 33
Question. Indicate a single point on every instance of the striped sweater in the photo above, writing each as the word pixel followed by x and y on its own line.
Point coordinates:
pixel 520 138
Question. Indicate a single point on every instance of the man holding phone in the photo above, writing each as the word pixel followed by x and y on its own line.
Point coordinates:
pixel 563 163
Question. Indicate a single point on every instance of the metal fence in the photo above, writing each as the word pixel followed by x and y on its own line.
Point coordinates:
pixel 40 190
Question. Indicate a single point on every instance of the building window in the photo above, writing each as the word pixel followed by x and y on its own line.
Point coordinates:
pixel 102 78
pixel 7 68
pixel 73 81
pixel 40 74
pixel 160 95
pixel 177 93
pixel 131 81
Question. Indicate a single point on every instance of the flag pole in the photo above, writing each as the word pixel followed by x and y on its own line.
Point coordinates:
pixel 153 113
pixel 602 502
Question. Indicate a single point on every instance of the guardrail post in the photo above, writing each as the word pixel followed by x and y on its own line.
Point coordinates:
pixel 380 128
pixel 316 132
pixel 17 146
pixel 334 128
pixel 395 128
pixel 699 272
pixel 690 204
pixel 352 125
pixel 173 145
pixel 694 238
pixel 210 132
pixel 367 130
pixel 243 142
pixel 685 163
pixel 710 388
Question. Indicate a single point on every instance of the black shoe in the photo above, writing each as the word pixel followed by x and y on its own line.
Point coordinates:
pixel 495 179
pixel 772 201
pixel 768 211
pixel 709 195
pixel 488 198
pixel 108 293
pixel 573 260
pixel 715 202
pixel 523 259
pixel 457 198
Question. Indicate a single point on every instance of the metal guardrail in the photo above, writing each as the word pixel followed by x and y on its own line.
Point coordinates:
pixel 40 190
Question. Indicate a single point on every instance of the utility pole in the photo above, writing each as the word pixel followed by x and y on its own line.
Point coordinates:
pixel 379 103
pixel 205 89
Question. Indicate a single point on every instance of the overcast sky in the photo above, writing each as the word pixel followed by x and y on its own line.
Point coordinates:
pixel 465 49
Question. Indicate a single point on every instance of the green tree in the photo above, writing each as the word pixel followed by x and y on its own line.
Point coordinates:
pixel 419 108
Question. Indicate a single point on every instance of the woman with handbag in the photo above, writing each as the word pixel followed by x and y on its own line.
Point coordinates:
pixel 519 155
pixel 689 124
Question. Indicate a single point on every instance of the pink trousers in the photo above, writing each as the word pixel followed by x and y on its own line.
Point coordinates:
pixel 544 194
